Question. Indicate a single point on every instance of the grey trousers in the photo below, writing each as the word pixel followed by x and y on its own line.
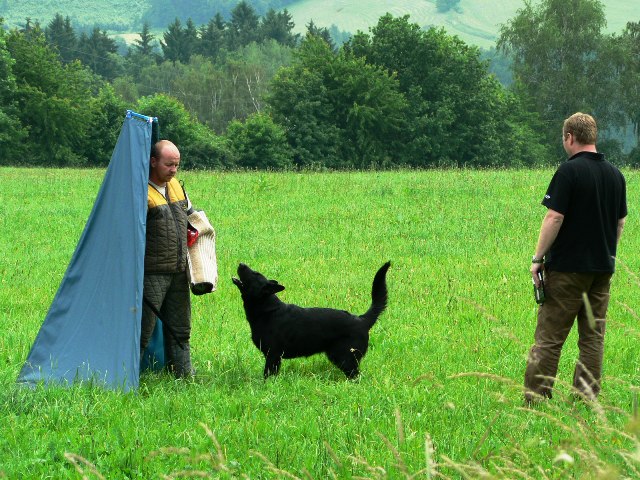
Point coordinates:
pixel 563 304
pixel 169 293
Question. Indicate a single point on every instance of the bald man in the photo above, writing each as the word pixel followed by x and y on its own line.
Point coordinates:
pixel 166 280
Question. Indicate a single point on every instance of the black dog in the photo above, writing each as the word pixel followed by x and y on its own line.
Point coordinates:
pixel 282 330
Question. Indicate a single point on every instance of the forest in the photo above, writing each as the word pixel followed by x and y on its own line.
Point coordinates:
pixel 242 90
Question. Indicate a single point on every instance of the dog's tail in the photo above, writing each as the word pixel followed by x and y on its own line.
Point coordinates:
pixel 378 296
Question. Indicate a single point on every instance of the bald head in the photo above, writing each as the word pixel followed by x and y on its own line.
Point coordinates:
pixel 158 147
pixel 164 162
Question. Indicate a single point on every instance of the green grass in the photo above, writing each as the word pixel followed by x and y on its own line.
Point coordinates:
pixel 440 388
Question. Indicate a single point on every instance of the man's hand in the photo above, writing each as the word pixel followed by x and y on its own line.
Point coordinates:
pixel 535 268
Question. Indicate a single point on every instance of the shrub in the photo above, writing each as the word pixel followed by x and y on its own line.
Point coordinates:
pixel 260 143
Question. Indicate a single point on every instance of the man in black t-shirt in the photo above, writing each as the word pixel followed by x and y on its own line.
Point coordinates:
pixel 586 210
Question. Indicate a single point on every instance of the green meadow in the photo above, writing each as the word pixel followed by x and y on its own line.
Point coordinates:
pixel 440 393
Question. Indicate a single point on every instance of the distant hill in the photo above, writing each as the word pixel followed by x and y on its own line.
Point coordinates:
pixel 108 14
pixel 474 21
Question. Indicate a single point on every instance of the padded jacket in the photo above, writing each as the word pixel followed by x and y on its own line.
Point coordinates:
pixel 166 249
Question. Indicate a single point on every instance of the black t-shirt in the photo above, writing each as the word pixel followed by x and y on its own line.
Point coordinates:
pixel 591 194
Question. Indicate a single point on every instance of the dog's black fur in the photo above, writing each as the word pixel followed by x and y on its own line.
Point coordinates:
pixel 282 330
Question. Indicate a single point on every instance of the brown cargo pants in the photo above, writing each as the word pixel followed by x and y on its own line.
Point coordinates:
pixel 563 303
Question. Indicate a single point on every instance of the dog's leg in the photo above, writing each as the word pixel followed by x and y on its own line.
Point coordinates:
pixel 272 365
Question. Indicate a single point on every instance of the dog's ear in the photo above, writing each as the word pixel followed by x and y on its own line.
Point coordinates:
pixel 272 287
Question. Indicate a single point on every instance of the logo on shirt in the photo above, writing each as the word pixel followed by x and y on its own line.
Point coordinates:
pixel 547 197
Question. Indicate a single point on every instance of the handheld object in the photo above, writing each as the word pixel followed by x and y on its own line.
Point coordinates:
pixel 538 292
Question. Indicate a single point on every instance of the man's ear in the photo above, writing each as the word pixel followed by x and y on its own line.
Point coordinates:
pixel 272 287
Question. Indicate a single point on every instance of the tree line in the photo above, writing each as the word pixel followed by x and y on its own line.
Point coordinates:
pixel 162 12
pixel 125 17
pixel 245 91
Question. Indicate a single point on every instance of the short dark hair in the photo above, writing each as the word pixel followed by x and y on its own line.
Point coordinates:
pixel 155 149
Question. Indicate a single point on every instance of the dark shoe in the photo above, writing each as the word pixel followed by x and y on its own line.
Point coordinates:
pixel 179 362
pixel 531 398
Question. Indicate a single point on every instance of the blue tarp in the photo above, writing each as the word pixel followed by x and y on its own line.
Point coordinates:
pixel 91 332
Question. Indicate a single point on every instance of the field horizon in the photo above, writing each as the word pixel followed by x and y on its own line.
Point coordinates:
pixel 476 22
pixel 440 393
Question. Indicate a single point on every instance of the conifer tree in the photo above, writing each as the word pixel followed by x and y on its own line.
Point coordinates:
pixel 61 36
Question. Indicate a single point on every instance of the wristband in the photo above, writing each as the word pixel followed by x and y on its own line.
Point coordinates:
pixel 537 260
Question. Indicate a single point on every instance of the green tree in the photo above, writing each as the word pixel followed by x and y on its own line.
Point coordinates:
pixel 32 30
pixel 339 37
pixel 242 28
pixel 144 45
pixel 259 143
pixel 104 117
pixel 338 111
pixel 278 26
pixel 629 67
pixel 219 22
pixel 61 36
pixel 499 65
pixel 299 102
pixel 453 101
pixel 556 47
pixel 211 38
pixel 53 100
pixel 190 41
pixel 141 55
pixel 320 32
pixel 516 137
pixel 199 147
pixel 173 44
pixel 201 88
pixel 100 53
pixel 247 74
pixel 12 134
pixel 230 89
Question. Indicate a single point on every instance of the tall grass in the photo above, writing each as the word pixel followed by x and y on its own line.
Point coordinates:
pixel 440 391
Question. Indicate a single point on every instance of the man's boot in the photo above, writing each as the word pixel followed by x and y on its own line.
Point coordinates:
pixel 179 360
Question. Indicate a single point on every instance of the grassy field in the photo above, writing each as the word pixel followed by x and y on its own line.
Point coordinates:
pixel 440 392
